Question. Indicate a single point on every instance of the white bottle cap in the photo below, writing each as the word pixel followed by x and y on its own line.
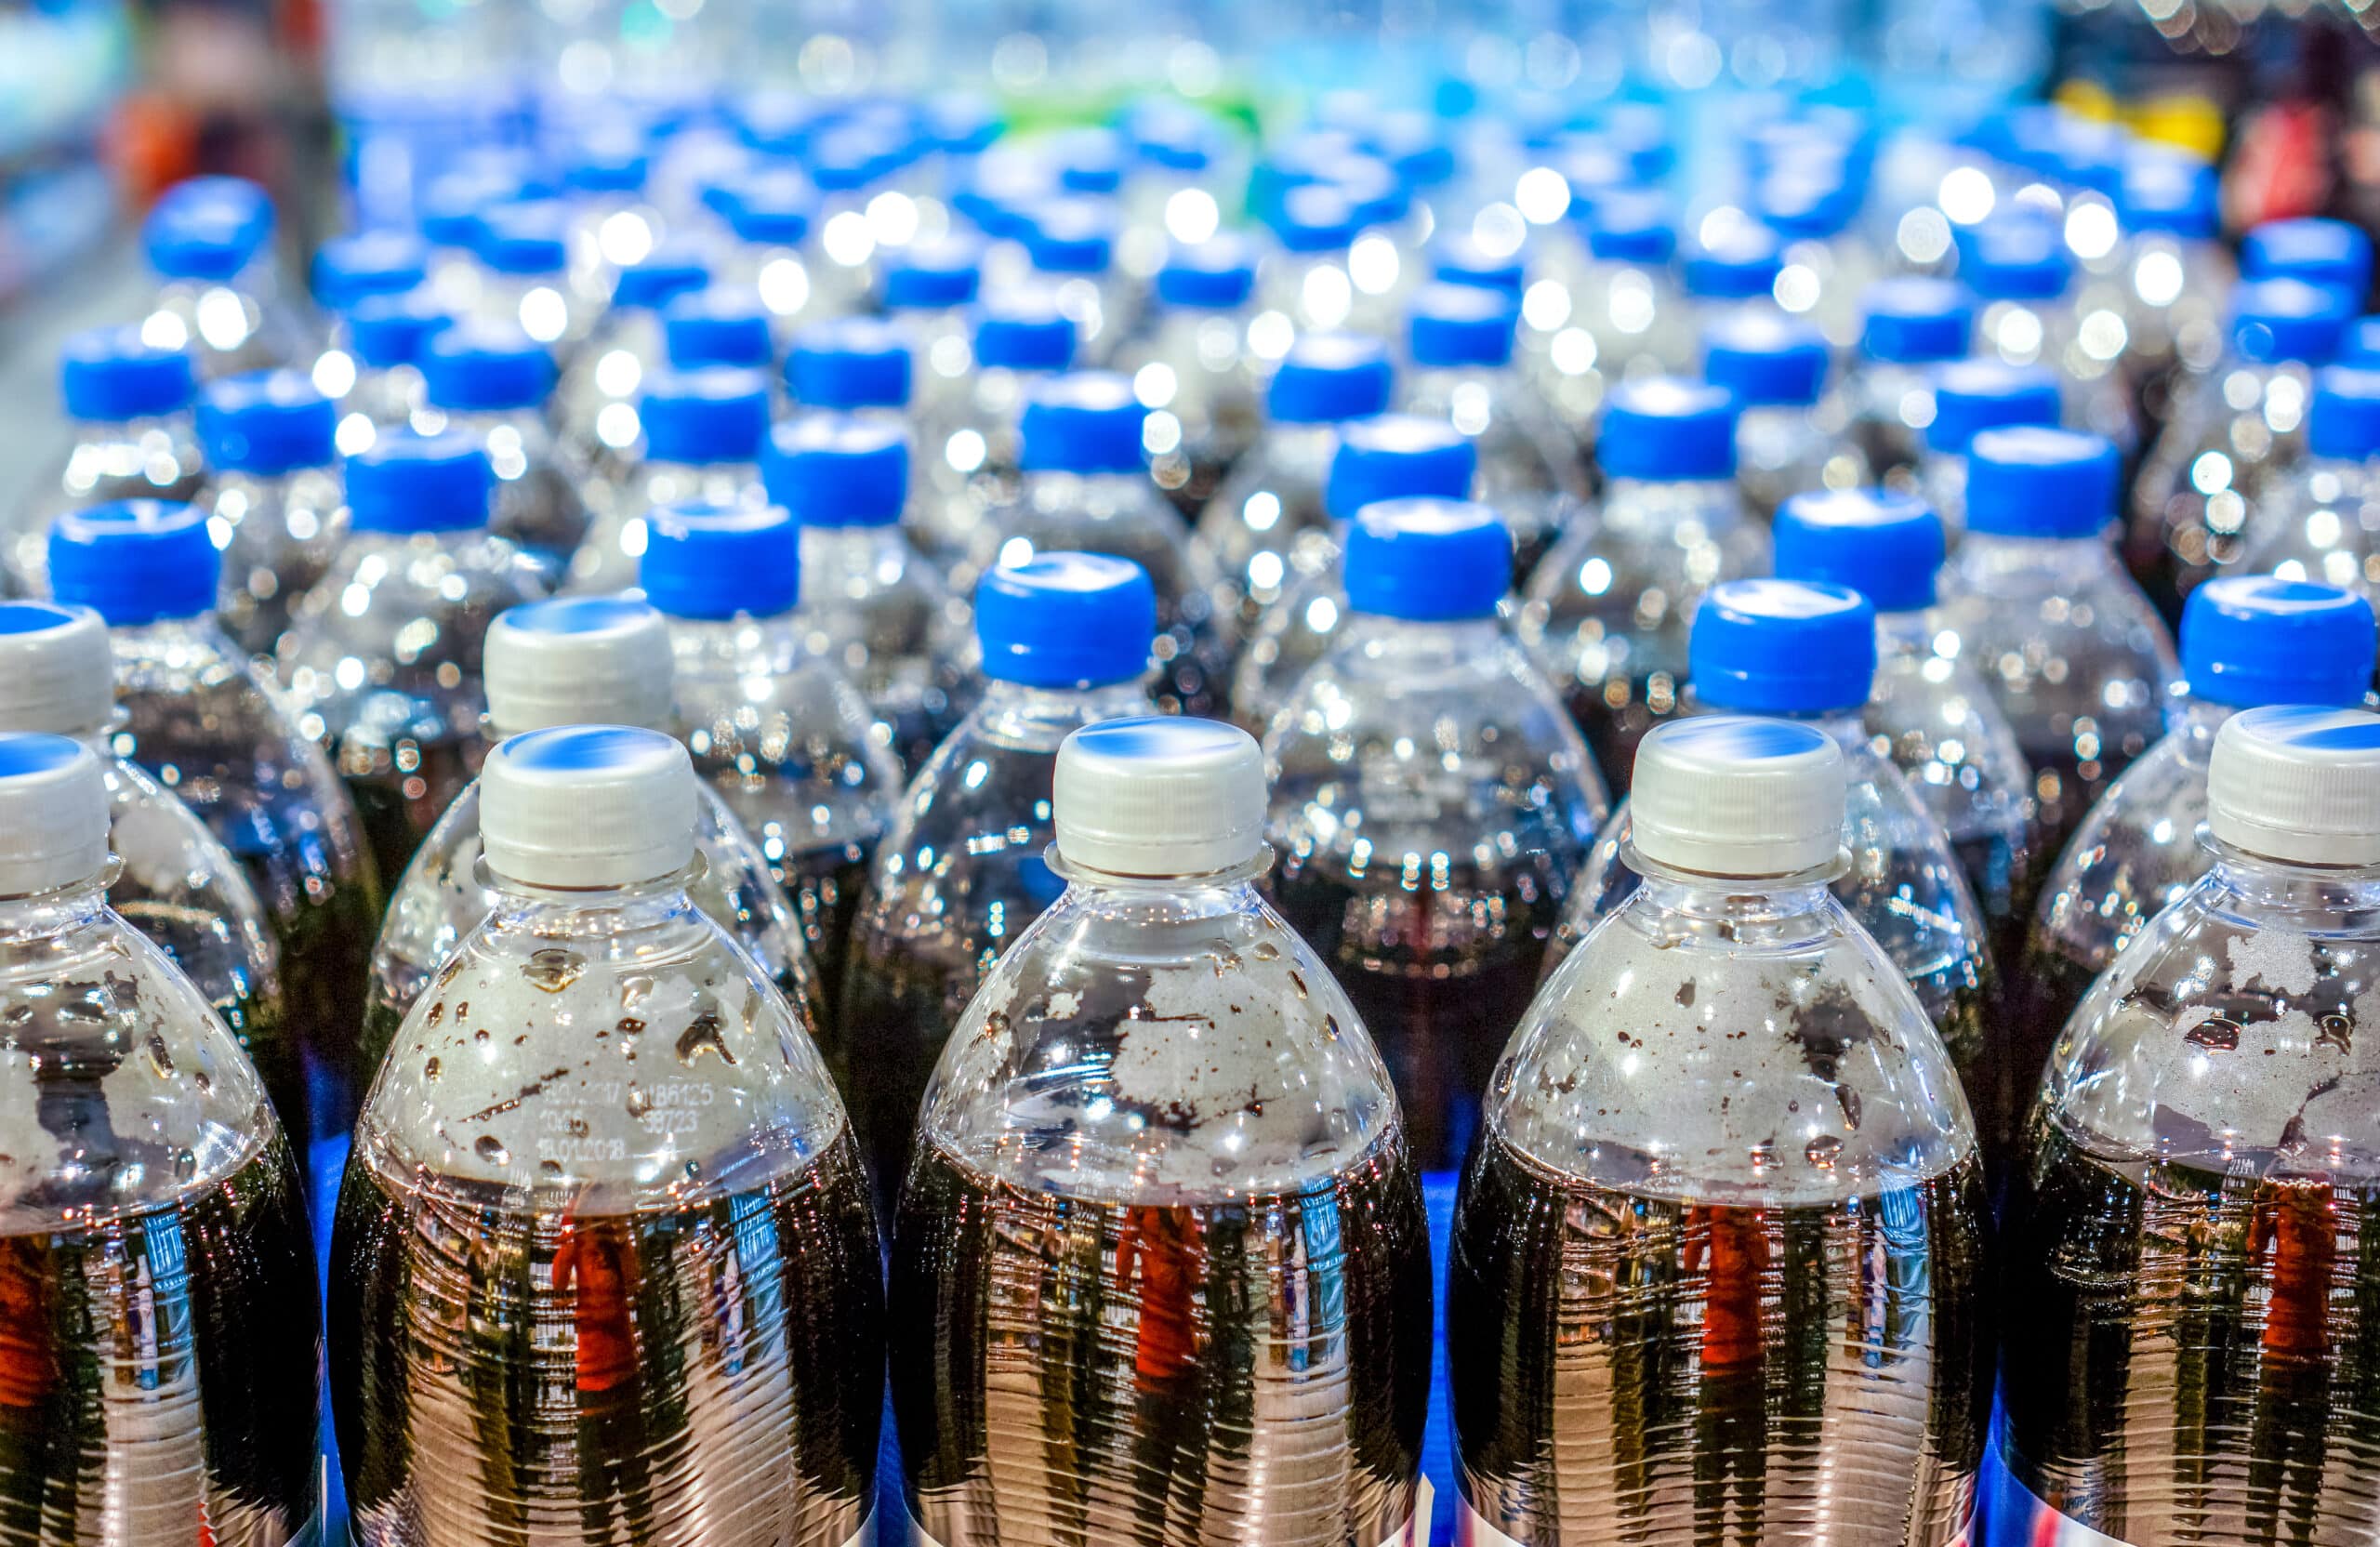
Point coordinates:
pixel 577 661
pixel 588 806
pixel 1159 797
pixel 2298 784
pixel 1731 795
pixel 56 672
pixel 53 814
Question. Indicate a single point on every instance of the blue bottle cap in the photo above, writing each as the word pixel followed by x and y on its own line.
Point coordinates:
pixel 712 562
pixel 1083 422
pixel 1397 457
pixel 933 276
pixel 669 270
pixel 1456 258
pixel 385 331
pixel 2178 196
pixel 1667 430
pixel 267 423
pixel 107 375
pixel 450 206
pixel 1913 321
pixel 2344 424
pixel 779 123
pixel 842 160
pixel 1885 545
pixel 1071 236
pixel 2360 347
pixel 1165 133
pixel 1782 647
pixel 1806 203
pixel 407 483
pixel 2287 319
pixel 1460 326
pixel 1315 217
pixel 1766 360
pixel 2027 481
pixel 351 269
pixel 1089 160
pixel 960 122
pixel 709 416
pixel 1415 146
pixel 1971 396
pixel 1740 265
pixel 2019 258
pixel 1327 377
pixel 2318 251
pixel 1632 226
pixel 478 367
pixel 1001 188
pixel 1060 620
pixel 833 470
pixel 1215 275
pixel 2257 639
pixel 613 162
pixel 207 229
pixel 134 561
pixel 771 208
pixel 1024 331
pixel 1429 561
pixel 718 326
pixel 849 363
pixel 524 239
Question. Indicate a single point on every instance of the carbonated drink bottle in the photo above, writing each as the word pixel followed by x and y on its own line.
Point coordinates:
pixel 2320 521
pixel 522 253
pixel 1732 272
pixel 1071 243
pixel 703 431
pixel 2173 275
pixel 2189 1244
pixel 1793 435
pixel 1971 396
pixel 1629 300
pixel 275 501
pixel 491 384
pixel 625 348
pixel 640 1193
pixel 968 439
pixel 719 325
pixel 201 716
pixel 601 659
pixel 381 660
pixel 374 374
pixel 1160 1240
pixel 209 245
pixel 961 872
pixel 853 364
pixel 162 1346
pixel 1432 802
pixel 2022 276
pixel 1725 1137
pixel 1909 328
pixel 1192 360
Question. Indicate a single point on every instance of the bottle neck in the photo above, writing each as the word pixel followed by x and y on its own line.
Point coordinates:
pixel 1988 555
pixel 1024 713
pixel 32 915
pixel 172 638
pixel 2195 716
pixel 1175 899
pixel 738 638
pixel 1775 911
pixel 1908 633
pixel 2297 894
pixel 1378 637
pixel 1844 723
pixel 525 905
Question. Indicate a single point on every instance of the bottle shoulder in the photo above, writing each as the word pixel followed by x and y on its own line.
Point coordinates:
pixel 167 855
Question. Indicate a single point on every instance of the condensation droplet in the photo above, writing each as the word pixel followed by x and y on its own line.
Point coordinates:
pixel 491 1149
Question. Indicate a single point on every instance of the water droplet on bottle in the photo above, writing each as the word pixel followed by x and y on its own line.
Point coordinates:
pixel 1821 1151
pixel 639 1102
pixel 430 1070
pixel 554 970
pixel 491 1149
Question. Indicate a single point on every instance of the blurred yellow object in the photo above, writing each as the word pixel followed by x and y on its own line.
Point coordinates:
pixel 2087 99
pixel 2192 123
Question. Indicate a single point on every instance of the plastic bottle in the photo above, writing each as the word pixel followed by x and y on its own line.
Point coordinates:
pixel 2195 1179
pixel 1763 1228
pixel 648 1168
pixel 1793 435
pixel 1432 802
pixel 1086 489
pixel 927 289
pixel 2175 273
pixel 131 437
pixel 1971 396
pixel 771 212
pixel 375 373
pixel 2022 277
pixel 491 384
pixel 1192 360
pixel 275 505
pixel 203 720
pixel 2320 521
pixel 1273 1208
pixel 381 660
pixel 851 365
pixel 1393 457
pixel 523 253
pixel 1629 300
pixel 1071 243
pixel 2077 657
pixel 1302 284
pixel 1910 328
pixel 702 431
pixel 208 242
pixel 573 661
pixel 1607 610
pixel 1732 272
pixel 2336 254
pixel 157 1248
pixel 720 325
pixel 625 346
pixel 967 442
pixel 351 269
pixel 961 872
pixel 785 737
pixel 1266 522
pixel 869 603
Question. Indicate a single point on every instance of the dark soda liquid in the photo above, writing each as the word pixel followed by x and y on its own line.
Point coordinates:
pixel 2004 887
pixel 1630 1368
pixel 158 1367
pixel 400 801
pixel 2198 1358
pixel 2065 789
pixel 901 998
pixel 1078 1373
pixel 825 886
pixel 1614 715
pixel 1440 976
pixel 709 1373
pixel 2046 986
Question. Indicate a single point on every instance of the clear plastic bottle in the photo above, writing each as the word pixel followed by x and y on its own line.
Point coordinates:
pixel 1086 489
pixel 1266 522
pixel 1607 610
pixel 927 289
pixel 853 365
pixel 274 504
pixel 1459 340
pixel 1732 272
pixel 577 660
pixel 366 265
pixel 720 325
pixel 1432 802
pixel 960 874
pixel 375 374
pixel 2023 278
pixel 785 738
pixel 522 253
pixel 1629 301
pixel 492 383
pixel 2189 1241
pixel 2239 432
pixel 771 212
pixel 2335 254
pixel 1393 457
pixel 1793 435
pixel 2321 521
pixel 1192 360
pixel 625 348
pixel 968 440
pixel 869 603
pixel 2175 273
pixel 381 660
pixel 2035 597
pixel 1071 243
pixel 1160 1117
pixel 702 431
pixel 208 242
pixel 1971 396
pixel 648 1170
pixel 164 1346
pixel 1727 1135
pixel 1910 328
pixel 200 717
pixel 131 437
pixel 1302 284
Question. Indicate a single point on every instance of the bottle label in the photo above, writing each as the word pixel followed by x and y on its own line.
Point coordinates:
pixel 1415 1532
